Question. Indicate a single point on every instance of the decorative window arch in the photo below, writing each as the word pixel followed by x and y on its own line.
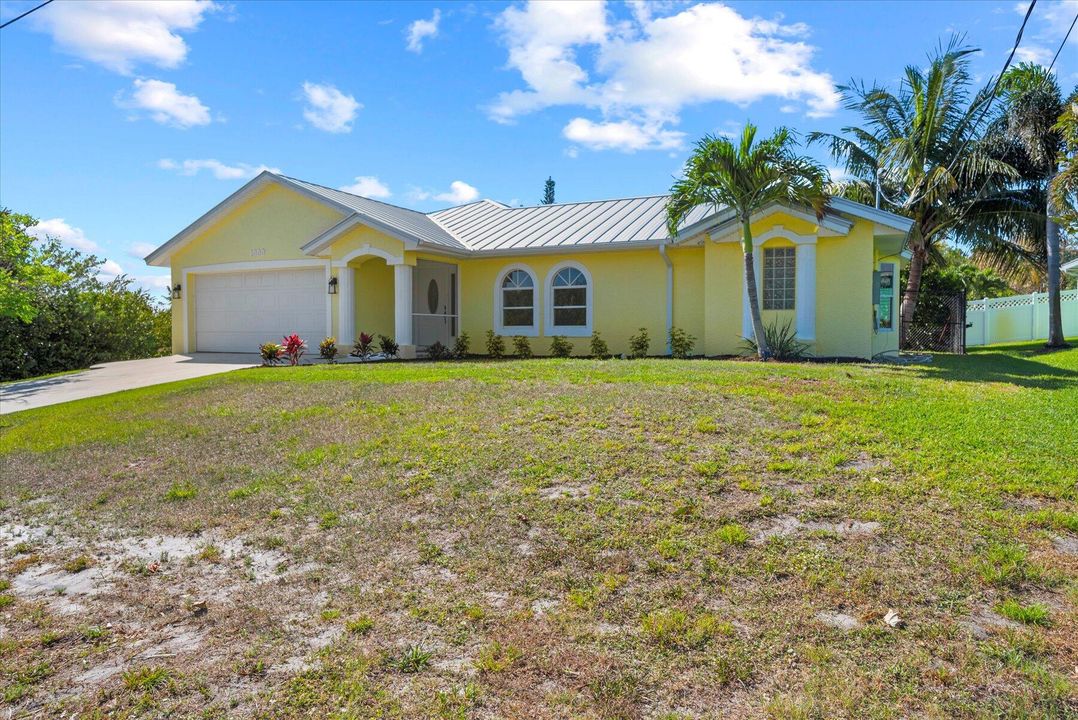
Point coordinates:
pixel 516 302
pixel 569 299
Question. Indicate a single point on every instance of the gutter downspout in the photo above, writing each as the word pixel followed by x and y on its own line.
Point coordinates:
pixel 669 295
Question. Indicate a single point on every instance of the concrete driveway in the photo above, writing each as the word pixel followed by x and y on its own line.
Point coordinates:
pixel 115 376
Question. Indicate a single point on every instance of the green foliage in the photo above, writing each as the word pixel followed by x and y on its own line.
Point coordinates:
pixel 271 353
pixel 495 345
pixel 781 341
pixel 461 345
pixel 560 347
pixel 328 348
pixel 681 343
pixel 360 625
pixel 639 343
pixel 181 491
pixel 677 629
pixel 437 351
pixel 1004 565
pixel 388 346
pixel 521 347
pixel 146 678
pixel 548 192
pixel 495 658
pixel 1034 614
pixel 413 659
pixel 732 534
pixel 599 347
pixel 57 315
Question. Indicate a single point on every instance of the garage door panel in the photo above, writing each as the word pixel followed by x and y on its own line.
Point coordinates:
pixel 236 312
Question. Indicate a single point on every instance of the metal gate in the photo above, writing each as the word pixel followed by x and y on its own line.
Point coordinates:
pixel 939 324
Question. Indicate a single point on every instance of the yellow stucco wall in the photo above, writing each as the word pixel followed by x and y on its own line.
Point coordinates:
pixel 628 286
pixel 374 298
pixel 629 293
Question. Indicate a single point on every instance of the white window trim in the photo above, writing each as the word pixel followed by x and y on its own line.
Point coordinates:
pixel 512 330
pixel 549 328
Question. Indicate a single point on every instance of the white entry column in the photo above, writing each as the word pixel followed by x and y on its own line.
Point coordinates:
pixel 805 291
pixel 402 304
pixel 346 307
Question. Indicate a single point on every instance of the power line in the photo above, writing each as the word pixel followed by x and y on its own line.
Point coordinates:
pixel 20 17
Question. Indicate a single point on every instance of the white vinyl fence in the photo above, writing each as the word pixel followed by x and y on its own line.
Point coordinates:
pixel 1017 318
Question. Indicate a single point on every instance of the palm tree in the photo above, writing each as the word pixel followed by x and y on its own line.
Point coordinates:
pixel 1031 140
pixel 919 154
pixel 745 178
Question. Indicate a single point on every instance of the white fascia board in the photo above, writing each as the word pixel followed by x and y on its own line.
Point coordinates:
pixel 318 244
pixel 160 256
pixel 881 217
pixel 829 225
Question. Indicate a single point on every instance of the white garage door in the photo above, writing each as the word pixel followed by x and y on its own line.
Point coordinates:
pixel 237 312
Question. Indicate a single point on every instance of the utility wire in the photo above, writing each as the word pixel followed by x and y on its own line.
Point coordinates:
pixel 1065 38
pixel 20 17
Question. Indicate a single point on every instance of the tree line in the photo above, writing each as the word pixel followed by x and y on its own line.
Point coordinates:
pixel 56 314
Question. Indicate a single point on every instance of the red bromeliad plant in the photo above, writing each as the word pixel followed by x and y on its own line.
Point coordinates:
pixel 363 346
pixel 294 347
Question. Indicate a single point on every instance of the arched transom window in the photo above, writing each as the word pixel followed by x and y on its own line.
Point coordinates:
pixel 517 300
pixel 568 307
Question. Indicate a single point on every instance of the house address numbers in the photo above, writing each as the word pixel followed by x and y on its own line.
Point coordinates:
pixel 258 252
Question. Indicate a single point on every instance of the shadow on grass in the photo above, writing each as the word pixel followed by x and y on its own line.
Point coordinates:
pixel 1029 365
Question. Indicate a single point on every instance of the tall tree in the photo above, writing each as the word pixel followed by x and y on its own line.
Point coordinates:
pixel 919 152
pixel 1028 132
pixel 745 178
pixel 548 192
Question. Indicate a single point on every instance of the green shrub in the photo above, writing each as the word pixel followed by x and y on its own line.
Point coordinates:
pixel 388 346
pixel 437 351
pixel 781 341
pixel 460 345
pixel 639 344
pixel 328 348
pixel 598 347
pixel 681 343
pixel 560 347
pixel 271 353
pixel 495 345
pixel 521 347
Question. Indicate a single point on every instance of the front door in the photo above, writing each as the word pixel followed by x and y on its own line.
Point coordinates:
pixel 434 303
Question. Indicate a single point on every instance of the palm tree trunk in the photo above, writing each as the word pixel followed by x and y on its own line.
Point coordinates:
pixel 1055 316
pixel 911 293
pixel 750 285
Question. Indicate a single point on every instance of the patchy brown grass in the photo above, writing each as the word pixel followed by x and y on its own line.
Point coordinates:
pixel 544 539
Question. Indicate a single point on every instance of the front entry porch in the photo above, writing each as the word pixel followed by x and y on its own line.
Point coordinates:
pixel 379 294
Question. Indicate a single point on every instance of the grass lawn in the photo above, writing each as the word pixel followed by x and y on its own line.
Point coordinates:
pixel 550 539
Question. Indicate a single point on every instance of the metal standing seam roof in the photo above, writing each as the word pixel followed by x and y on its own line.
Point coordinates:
pixel 409 222
pixel 489 226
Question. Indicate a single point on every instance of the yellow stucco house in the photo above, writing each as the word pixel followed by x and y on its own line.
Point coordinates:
pixel 282 255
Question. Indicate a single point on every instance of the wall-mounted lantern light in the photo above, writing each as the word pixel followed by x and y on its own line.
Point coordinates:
pixel 177 292
pixel 333 286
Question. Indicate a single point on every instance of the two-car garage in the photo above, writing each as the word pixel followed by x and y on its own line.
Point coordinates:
pixel 238 311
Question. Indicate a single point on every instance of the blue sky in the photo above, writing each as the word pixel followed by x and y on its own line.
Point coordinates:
pixel 121 123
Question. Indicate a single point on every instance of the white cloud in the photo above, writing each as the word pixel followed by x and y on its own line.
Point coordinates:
pixel 109 270
pixel 58 228
pixel 328 108
pixel 1033 54
pixel 119 34
pixel 419 30
pixel 624 135
pixel 140 250
pixel 647 69
pixel 220 170
pixel 459 193
pixel 368 186
pixel 165 104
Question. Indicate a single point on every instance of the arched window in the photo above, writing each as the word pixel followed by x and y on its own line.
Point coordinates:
pixel 569 301
pixel 516 312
